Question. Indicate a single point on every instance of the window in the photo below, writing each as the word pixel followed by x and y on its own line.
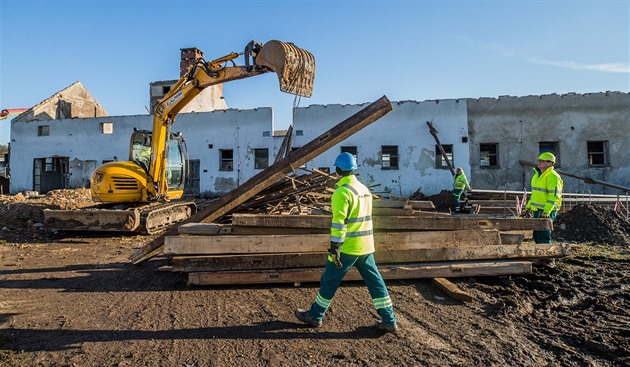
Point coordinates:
pixel 352 150
pixel 440 161
pixel 597 153
pixel 43 130
pixel 299 132
pixel 166 89
pixel 261 158
pixel 107 127
pixel 389 157
pixel 489 155
pixel 551 147
pixel 227 159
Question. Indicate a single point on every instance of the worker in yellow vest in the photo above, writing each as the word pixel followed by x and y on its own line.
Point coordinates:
pixel 546 197
pixel 351 244
pixel 460 183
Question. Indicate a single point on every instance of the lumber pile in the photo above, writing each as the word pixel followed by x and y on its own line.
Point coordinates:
pixel 274 229
pixel 281 235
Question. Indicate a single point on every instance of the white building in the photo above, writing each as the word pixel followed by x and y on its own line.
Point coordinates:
pixel 487 137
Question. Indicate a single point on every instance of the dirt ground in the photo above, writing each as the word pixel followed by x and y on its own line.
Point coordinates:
pixel 75 300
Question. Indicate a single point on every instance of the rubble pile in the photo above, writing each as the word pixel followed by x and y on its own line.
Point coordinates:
pixel 25 213
pixel 593 223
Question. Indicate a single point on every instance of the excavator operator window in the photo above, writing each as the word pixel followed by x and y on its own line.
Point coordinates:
pixel 175 165
pixel 141 149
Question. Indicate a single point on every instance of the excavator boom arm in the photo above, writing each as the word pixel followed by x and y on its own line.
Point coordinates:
pixel 294 66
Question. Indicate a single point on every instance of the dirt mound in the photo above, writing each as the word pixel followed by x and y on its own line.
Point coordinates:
pixel 566 302
pixel 442 201
pixel 593 223
pixel 22 217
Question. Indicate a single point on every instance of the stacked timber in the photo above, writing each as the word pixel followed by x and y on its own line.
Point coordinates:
pixel 283 248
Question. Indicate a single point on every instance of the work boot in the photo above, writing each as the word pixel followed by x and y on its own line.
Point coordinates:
pixel 306 318
pixel 388 328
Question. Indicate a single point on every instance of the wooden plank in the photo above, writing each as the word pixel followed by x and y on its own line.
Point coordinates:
pixel 511 238
pixel 263 179
pixel 207 229
pixel 389 272
pixel 306 260
pixel 277 230
pixel 434 222
pixel 234 244
pixel 387 204
pixel 406 210
pixel 421 204
pixel 452 290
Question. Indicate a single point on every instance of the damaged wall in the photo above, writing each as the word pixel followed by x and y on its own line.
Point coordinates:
pixel 519 124
pixel 405 127
pixel 72 102
pixel 515 124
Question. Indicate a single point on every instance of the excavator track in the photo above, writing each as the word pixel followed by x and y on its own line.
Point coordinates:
pixel 145 219
pixel 159 218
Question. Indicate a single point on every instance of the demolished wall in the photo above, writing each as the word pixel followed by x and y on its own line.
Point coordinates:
pixel 72 102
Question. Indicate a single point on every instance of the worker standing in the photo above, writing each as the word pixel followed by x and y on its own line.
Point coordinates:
pixel 546 197
pixel 351 244
pixel 460 183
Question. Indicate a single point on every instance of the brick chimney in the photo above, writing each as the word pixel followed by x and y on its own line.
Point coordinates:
pixel 189 55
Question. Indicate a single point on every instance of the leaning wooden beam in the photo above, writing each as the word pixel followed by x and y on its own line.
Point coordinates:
pixel 295 159
pixel 389 272
pixel 234 244
pixel 413 223
pixel 188 264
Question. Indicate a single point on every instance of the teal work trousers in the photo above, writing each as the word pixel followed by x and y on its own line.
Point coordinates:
pixel 544 236
pixel 331 280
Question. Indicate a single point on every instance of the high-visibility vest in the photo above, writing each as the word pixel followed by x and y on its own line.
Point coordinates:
pixel 460 182
pixel 546 191
pixel 352 217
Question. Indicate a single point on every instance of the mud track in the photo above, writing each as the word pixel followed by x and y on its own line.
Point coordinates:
pixel 77 301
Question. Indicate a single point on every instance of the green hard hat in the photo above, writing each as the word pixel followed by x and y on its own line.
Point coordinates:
pixel 547 156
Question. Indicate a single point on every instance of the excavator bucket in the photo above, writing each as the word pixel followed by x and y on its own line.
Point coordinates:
pixel 295 66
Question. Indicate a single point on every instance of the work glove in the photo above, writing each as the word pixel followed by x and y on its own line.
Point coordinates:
pixel 527 213
pixel 335 254
pixel 545 215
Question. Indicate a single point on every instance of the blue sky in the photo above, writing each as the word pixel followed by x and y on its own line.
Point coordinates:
pixel 407 50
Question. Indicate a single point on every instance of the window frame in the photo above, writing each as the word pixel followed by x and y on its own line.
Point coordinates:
pixel 604 153
pixel 391 152
pixel 226 164
pixel 43 130
pixel 490 164
pixel 440 162
pixel 258 159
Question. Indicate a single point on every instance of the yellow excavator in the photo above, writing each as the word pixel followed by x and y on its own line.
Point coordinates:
pixel 144 194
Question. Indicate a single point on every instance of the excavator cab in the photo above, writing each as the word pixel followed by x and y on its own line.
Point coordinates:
pixel 176 157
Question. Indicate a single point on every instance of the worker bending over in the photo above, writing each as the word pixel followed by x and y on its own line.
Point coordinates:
pixel 460 183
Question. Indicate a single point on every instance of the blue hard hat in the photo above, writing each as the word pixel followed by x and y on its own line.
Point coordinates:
pixel 346 162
